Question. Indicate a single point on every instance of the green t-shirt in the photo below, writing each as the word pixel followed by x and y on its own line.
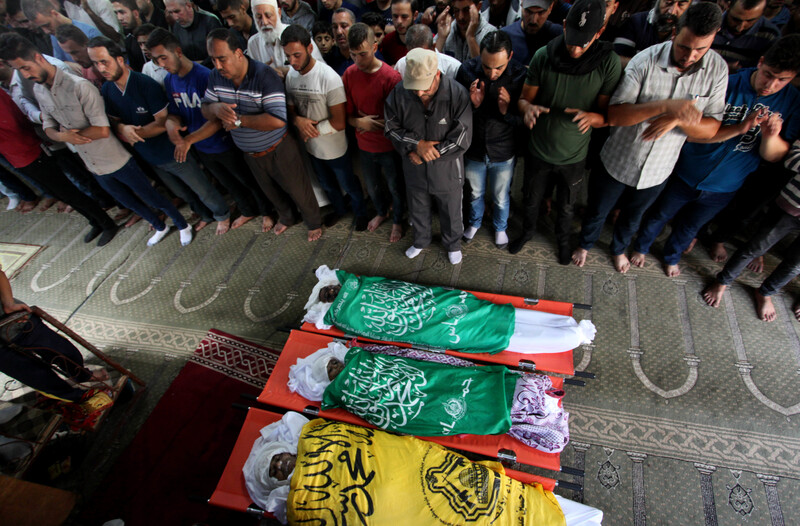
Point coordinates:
pixel 555 139
pixel 392 310
pixel 423 398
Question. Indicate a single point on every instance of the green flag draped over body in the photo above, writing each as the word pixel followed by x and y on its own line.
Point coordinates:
pixel 392 310
pixel 423 398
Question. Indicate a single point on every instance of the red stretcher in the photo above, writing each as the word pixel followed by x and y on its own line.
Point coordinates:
pixel 560 363
pixel 302 344
pixel 231 492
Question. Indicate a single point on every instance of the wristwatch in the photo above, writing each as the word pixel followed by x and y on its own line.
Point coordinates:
pixel 237 122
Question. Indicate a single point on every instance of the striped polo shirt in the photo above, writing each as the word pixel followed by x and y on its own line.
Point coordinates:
pixel 261 91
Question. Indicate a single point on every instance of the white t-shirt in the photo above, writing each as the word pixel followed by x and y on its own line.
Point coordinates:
pixel 101 8
pixel 311 95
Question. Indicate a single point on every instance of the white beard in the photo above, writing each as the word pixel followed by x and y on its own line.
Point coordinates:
pixel 270 37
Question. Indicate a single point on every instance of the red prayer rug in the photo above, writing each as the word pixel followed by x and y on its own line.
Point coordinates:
pixel 182 448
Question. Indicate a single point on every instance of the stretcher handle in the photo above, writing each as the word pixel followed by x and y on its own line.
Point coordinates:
pixel 569 485
pixel 91 348
pixel 572 471
pixel 585 374
pixel 573 381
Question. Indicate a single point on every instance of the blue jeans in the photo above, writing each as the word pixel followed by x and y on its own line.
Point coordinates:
pixel 775 227
pixel 13 187
pixel 691 208
pixel 187 181
pixel 371 165
pixel 604 192
pixel 132 189
pixel 333 173
pixel 498 174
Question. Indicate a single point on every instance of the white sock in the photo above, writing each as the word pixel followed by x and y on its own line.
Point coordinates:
pixel 186 235
pixel 13 202
pixel 413 252
pixel 470 232
pixel 158 236
pixel 454 257
pixel 500 238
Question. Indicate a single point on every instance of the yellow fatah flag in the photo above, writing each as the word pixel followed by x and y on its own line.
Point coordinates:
pixel 347 474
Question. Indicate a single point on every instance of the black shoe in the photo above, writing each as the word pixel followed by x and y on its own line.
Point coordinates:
pixel 516 245
pixel 361 223
pixel 108 235
pixel 564 255
pixel 93 233
pixel 331 219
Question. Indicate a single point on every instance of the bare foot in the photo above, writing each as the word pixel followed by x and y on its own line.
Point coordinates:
pixel 241 220
pixel 397 233
pixel 579 256
pixel 690 247
pixel 135 218
pixel 62 207
pixel 637 259
pixel 621 263
pixel 313 235
pixel 267 223
pixel 713 294
pixel 375 222
pixel 122 214
pixel 200 225
pixel 27 206
pixel 718 252
pixel 757 265
pixel 223 226
pixel 765 308
pixel 672 270
pixel 280 228
pixel 47 204
pixel 796 310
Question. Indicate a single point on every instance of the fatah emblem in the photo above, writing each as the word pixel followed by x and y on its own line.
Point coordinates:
pixel 583 19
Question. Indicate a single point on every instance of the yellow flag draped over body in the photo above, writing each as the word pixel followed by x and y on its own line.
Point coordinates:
pixel 347 474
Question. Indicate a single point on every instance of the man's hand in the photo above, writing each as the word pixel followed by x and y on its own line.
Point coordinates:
pixel 503 100
pixel 658 127
pixel 224 112
pixel 415 159
pixel 772 126
pixel 532 114
pixel 174 134
pixel 306 127
pixel 369 123
pixel 685 111
pixel 443 24
pixel 16 307
pixel 585 120
pixel 130 133
pixel 74 137
pixel 474 20
pixel 182 150
pixel 755 118
pixel 427 150
pixel 477 92
pixel 427 16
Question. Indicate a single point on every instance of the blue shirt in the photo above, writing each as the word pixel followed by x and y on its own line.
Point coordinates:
pixel 261 91
pixel 186 94
pixel 88 30
pixel 524 45
pixel 137 104
pixel 723 167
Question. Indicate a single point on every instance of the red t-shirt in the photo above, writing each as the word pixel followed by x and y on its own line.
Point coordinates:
pixel 366 93
pixel 19 144
pixel 392 49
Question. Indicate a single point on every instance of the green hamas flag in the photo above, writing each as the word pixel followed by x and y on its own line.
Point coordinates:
pixel 423 398
pixel 392 310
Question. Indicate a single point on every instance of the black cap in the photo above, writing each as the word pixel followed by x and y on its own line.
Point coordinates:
pixel 584 20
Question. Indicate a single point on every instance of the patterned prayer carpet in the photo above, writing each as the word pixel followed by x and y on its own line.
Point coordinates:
pixel 693 415
pixel 14 256
pixel 180 451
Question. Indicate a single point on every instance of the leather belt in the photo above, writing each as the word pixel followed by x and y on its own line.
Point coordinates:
pixel 268 150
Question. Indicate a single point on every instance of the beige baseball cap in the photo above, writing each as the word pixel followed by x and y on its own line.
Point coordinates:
pixel 421 67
